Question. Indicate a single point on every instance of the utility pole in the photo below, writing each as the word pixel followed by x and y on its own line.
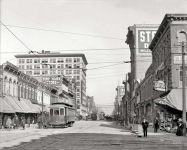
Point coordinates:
pixel 183 88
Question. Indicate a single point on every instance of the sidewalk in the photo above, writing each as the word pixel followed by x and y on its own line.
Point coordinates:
pixel 163 135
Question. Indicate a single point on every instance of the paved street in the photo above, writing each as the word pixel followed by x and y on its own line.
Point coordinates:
pixel 87 135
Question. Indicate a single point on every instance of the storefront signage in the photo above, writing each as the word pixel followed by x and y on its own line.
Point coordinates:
pixel 144 39
pixel 159 85
pixel 178 60
pixel 52 80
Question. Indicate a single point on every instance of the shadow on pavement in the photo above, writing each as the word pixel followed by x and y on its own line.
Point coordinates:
pixel 93 141
pixel 113 125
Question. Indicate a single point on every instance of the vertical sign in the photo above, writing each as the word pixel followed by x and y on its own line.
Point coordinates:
pixel 144 39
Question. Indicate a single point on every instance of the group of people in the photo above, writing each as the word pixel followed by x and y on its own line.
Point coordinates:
pixel 145 125
pixel 15 122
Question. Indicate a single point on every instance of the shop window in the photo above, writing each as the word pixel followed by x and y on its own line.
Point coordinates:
pixel 61 111
pixel 56 112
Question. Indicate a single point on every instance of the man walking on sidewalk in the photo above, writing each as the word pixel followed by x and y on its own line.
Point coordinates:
pixel 145 125
pixel 156 124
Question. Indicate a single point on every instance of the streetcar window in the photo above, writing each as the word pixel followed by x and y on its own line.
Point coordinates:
pixel 51 112
pixel 61 111
pixel 56 112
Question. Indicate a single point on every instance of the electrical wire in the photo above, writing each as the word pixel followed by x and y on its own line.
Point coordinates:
pixel 58 31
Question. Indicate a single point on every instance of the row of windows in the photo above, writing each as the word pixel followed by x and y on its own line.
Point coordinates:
pixel 52 66
pixel 54 72
pixel 50 60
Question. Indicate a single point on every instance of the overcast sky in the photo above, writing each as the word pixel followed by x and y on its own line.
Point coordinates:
pixel 104 18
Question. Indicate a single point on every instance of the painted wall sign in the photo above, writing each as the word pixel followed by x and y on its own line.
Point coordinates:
pixel 52 80
pixel 144 38
pixel 159 85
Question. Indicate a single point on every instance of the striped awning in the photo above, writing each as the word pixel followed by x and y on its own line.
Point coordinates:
pixel 4 107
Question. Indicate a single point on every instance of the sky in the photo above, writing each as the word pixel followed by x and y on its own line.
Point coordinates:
pixel 105 21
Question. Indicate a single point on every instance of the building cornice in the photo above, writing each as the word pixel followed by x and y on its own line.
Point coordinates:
pixel 164 24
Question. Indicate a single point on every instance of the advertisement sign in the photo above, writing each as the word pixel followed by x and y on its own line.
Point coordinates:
pixel 178 60
pixel 144 38
pixel 159 85
pixel 52 80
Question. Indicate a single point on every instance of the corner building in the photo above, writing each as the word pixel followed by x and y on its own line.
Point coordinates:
pixel 71 65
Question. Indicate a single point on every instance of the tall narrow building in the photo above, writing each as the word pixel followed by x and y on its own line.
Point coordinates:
pixel 48 64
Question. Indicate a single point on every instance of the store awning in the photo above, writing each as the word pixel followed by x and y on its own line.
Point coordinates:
pixel 4 107
pixel 173 99
pixel 30 106
pixel 15 104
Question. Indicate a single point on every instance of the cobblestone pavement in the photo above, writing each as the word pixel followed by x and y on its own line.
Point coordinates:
pixel 88 135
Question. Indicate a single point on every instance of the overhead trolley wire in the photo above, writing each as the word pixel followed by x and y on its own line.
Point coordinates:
pixel 58 31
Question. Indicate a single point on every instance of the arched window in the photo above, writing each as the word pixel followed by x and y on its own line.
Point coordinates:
pixel 10 86
pixel 181 36
pixel 14 88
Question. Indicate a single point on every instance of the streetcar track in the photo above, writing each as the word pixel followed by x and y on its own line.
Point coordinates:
pixel 46 137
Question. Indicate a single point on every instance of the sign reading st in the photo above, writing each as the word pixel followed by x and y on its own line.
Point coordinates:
pixel 144 39
pixel 52 80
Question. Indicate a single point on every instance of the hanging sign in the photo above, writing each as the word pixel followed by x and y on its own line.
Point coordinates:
pixel 159 85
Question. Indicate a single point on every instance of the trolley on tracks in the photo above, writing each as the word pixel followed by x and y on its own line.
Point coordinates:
pixel 61 114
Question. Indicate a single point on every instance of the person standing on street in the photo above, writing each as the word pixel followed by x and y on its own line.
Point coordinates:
pixel 28 121
pixel 156 124
pixel 180 126
pixel 8 123
pixel 15 122
pixel 145 125
pixel 23 122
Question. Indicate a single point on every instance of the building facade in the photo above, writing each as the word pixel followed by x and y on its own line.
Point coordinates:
pixel 46 64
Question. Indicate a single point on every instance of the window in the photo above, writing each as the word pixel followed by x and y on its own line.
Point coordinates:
pixel 53 66
pixel 66 71
pixel 69 66
pixel 20 61
pixel 56 112
pixel 70 72
pixel 78 59
pixel 66 59
pixel 44 71
pixel 66 65
pixel 78 71
pixel 74 71
pixel 70 60
pixel 59 72
pixel 77 83
pixel 61 111
pixel 36 72
pixel 78 77
pixel 78 90
pixel 19 66
pixel 36 60
pixel 75 59
pixel 74 66
pixel 78 107
pixel 30 60
pixel 181 75
pixel 23 61
pixel 58 66
pixel 51 60
pixel 62 71
pixel 78 65
pixel 44 60
pixel 27 66
pixel 62 66
pixel 23 67
pixel 51 112
pixel 54 60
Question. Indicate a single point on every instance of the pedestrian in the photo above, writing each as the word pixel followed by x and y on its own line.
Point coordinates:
pixel 8 122
pixel 23 122
pixel 39 121
pixel 180 126
pixel 15 122
pixel 145 125
pixel 4 121
pixel 28 121
pixel 156 124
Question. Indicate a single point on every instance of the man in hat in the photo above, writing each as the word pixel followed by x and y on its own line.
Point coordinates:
pixel 145 125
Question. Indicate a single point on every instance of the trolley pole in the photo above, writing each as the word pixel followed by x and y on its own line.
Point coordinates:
pixel 183 89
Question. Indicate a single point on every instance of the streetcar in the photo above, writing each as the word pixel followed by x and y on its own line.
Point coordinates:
pixel 61 115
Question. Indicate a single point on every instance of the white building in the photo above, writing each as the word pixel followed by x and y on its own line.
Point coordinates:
pixel 46 63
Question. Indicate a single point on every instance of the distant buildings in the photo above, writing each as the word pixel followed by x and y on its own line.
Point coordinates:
pixel 48 64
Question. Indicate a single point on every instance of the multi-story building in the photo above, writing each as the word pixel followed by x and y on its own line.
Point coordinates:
pixel 120 93
pixel 46 64
pixel 139 37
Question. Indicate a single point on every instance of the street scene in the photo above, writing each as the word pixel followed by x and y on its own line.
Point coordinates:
pixel 84 135
pixel 93 74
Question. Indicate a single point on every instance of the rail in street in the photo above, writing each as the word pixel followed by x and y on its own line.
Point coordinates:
pixel 87 135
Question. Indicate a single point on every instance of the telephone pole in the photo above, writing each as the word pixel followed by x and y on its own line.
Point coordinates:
pixel 183 88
